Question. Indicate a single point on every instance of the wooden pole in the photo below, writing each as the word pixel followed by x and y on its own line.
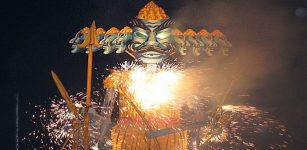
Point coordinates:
pixel 64 93
pixel 71 107
pixel 88 98
pixel 89 42
pixel 76 136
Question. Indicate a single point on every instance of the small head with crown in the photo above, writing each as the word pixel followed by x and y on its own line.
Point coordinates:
pixel 151 35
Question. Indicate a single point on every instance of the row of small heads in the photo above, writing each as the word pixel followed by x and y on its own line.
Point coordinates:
pixel 175 32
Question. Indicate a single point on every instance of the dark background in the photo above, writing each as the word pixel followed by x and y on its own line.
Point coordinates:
pixel 34 40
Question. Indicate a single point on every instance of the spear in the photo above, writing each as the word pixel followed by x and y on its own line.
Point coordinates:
pixel 64 93
pixel 71 107
pixel 90 41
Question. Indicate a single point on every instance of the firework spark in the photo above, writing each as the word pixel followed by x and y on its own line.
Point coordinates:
pixel 57 123
pixel 232 127
pixel 250 128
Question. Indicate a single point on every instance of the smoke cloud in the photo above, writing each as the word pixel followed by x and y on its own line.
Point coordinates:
pixel 266 59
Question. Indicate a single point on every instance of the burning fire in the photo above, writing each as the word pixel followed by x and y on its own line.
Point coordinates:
pixel 152 88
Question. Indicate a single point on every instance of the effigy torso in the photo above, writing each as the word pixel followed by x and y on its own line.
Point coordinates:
pixel 137 117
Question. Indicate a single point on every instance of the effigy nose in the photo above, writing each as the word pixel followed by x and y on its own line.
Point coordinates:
pixel 152 38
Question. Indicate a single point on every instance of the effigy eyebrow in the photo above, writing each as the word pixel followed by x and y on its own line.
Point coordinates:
pixel 139 23
pixel 164 25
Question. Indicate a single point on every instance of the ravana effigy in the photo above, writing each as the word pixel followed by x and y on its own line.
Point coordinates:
pixel 141 109
pixel 158 101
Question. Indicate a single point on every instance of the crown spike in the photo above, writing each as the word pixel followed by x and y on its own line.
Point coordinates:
pixel 126 29
pixel 151 11
pixel 217 33
pixel 112 30
pixel 203 32
pixel 176 32
pixel 100 31
pixel 189 32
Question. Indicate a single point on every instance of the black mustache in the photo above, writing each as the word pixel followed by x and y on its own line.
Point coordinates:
pixel 148 48
pixel 155 49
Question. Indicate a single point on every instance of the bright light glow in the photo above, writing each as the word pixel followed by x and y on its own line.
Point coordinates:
pixel 153 88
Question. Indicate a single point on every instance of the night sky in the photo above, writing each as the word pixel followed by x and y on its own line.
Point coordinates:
pixel 35 39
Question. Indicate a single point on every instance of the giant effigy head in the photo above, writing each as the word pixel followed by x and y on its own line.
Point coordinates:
pixel 151 38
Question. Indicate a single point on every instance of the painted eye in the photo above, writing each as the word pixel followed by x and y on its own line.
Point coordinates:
pixel 140 34
pixel 163 35
pixel 100 38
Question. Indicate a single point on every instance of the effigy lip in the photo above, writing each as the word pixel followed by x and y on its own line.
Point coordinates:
pixel 151 54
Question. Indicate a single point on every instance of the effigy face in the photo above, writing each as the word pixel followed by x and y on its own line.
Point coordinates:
pixel 210 45
pixel 151 40
pixel 179 42
pixel 123 37
pixel 109 42
pixel 223 45
pixel 78 39
pixel 222 42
